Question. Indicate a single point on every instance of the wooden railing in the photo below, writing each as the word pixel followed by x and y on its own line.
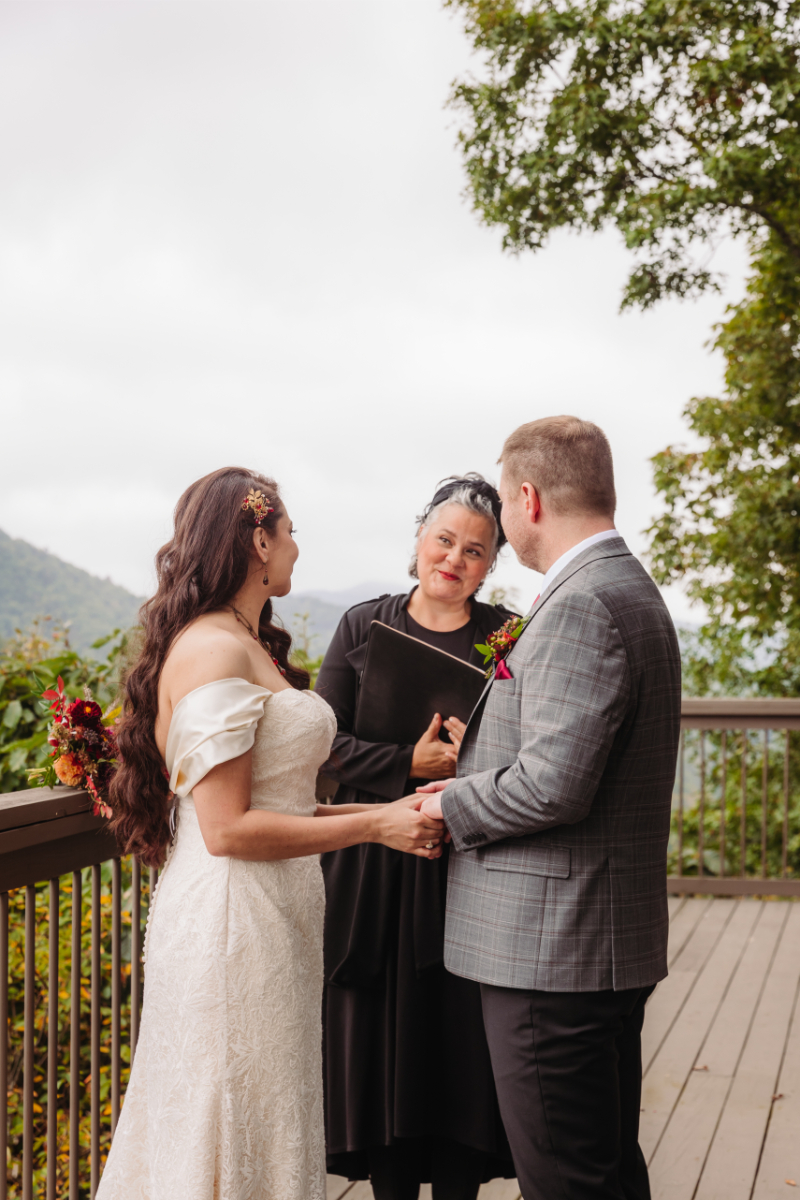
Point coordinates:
pixel 72 914
pixel 737 799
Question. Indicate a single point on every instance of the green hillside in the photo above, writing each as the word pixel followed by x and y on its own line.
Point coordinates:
pixel 34 583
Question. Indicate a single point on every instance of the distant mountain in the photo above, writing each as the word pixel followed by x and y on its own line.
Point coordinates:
pixel 324 610
pixel 320 625
pixel 359 592
pixel 34 583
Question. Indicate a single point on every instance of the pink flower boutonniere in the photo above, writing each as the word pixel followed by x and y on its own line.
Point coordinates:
pixel 500 643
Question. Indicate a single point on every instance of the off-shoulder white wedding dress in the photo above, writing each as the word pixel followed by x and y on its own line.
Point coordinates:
pixel 225 1096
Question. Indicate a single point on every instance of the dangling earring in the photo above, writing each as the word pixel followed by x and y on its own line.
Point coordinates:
pixel 266 576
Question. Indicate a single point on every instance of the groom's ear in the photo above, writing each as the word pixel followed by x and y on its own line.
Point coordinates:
pixel 532 505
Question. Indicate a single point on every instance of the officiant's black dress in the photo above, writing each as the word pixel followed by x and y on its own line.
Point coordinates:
pixel 405 1049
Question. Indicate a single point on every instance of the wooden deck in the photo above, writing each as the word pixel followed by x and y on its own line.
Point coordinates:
pixel 721 1049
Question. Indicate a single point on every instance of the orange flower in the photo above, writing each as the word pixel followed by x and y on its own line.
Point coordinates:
pixel 68 770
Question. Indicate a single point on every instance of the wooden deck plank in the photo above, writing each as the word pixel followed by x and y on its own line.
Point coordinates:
pixel 780 1158
pixel 362 1190
pixel 733 1159
pixel 674 904
pixel 679 1160
pixel 677 1056
pixel 500 1189
pixel 684 924
pixel 669 997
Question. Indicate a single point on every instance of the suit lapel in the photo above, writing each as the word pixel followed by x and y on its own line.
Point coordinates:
pixel 611 548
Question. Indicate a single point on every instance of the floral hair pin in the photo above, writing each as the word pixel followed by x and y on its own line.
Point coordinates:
pixel 258 504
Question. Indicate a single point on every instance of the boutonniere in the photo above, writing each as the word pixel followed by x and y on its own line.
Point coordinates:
pixel 500 643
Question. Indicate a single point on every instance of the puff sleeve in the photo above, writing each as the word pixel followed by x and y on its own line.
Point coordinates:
pixel 210 725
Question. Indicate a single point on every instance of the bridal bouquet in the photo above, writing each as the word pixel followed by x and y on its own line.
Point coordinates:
pixel 84 746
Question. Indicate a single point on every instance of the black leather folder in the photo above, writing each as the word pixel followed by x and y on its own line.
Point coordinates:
pixel 405 681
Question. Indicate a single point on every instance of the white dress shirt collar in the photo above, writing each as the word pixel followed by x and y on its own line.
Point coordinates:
pixel 573 552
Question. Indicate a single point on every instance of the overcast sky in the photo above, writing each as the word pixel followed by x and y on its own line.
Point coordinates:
pixel 236 233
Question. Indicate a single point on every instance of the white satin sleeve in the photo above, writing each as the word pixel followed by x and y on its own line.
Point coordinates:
pixel 213 724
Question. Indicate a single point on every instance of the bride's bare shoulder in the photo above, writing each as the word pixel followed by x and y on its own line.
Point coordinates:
pixel 204 653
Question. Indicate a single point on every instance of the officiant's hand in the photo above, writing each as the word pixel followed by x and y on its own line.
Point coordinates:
pixel 456 729
pixel 433 758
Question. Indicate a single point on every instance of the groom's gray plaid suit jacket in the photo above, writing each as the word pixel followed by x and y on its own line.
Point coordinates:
pixel 561 806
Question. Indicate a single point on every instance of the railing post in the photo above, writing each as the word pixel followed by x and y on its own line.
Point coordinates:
pixel 136 950
pixel 4 1044
pixel 785 838
pixel 764 781
pixel 723 811
pixel 743 825
pixel 97 987
pixel 27 1043
pixel 52 1041
pixel 682 755
pixel 116 987
pixel 702 821
pixel 75 1039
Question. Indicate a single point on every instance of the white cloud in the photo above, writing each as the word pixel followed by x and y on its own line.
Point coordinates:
pixel 234 233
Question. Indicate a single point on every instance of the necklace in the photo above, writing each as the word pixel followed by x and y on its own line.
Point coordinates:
pixel 264 645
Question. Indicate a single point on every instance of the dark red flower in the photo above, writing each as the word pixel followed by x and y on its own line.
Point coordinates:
pixel 84 713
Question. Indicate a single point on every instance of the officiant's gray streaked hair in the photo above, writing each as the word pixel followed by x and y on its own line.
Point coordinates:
pixel 477 495
pixel 567 460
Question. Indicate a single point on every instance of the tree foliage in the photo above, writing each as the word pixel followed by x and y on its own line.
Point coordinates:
pixel 731 525
pixel 675 120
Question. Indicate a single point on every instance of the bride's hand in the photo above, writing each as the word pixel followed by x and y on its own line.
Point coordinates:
pixel 403 827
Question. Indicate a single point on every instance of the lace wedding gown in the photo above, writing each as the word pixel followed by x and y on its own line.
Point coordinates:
pixel 225 1097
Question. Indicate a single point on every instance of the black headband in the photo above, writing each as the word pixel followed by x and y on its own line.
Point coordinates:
pixel 476 485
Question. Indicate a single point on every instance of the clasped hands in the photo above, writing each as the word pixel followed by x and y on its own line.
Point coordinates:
pixel 435 759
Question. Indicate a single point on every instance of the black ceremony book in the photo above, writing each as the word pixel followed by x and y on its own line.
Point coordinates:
pixel 405 681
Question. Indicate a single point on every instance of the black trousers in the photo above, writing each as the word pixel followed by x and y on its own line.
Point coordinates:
pixel 568 1069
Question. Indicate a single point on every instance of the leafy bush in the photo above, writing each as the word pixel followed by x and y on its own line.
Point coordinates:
pixel 717 820
pixel 41 1141
pixel 31 662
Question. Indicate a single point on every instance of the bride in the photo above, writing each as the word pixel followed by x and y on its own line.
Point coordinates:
pixel 225 1096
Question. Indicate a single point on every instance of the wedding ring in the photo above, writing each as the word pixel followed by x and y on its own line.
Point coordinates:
pixel 429 845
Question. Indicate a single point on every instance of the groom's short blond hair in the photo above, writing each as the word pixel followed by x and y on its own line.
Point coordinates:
pixel 567 460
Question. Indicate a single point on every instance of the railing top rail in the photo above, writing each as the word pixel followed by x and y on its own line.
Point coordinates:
pixel 19 809
pixel 740 712
pixel 739 706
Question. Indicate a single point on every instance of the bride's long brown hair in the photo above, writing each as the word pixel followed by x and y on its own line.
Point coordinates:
pixel 199 571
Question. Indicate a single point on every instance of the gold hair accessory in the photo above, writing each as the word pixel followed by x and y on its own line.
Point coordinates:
pixel 258 504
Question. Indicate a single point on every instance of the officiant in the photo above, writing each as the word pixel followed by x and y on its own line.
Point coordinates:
pixel 409 1092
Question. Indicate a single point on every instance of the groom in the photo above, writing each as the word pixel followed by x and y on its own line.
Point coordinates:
pixel 560 817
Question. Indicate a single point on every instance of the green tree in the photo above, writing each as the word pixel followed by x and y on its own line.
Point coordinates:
pixel 674 120
pixel 730 525
pixel 677 122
